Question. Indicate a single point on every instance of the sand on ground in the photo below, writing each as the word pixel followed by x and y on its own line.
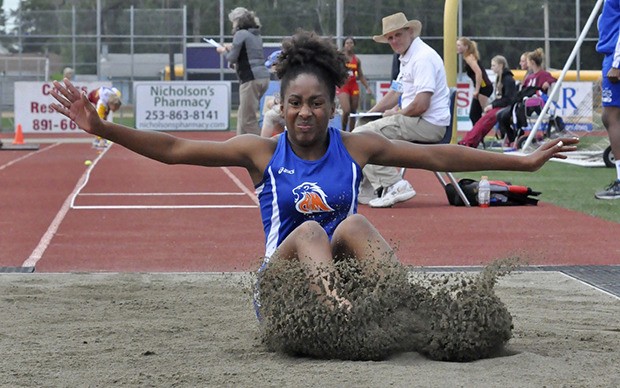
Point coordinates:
pixel 196 329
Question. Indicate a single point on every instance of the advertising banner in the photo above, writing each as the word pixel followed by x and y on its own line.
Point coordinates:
pixel 183 106
pixel 33 111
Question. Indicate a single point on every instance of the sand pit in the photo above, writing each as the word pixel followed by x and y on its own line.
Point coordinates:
pixel 390 309
pixel 200 330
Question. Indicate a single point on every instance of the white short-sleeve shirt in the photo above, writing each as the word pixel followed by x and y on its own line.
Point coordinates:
pixel 422 70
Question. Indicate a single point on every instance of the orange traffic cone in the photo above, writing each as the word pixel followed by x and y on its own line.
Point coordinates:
pixel 19 135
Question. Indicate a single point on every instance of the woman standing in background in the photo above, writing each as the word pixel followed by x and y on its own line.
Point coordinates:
pixel 483 88
pixel 246 54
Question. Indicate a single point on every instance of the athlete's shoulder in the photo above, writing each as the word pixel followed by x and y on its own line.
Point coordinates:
pixel 256 142
pixel 361 145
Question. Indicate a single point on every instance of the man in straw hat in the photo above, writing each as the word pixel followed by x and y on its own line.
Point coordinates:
pixel 416 108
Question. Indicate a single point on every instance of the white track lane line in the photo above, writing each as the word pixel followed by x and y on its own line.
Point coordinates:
pixel 239 184
pixel 86 177
pixel 38 252
pixel 590 285
pixel 12 162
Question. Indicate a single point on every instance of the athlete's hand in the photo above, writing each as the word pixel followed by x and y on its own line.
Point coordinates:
pixel 552 149
pixel 613 75
pixel 74 104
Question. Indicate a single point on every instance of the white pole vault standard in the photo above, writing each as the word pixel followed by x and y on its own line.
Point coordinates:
pixel 557 86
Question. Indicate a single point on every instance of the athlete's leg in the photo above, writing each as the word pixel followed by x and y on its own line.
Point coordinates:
pixel 345 104
pixel 357 237
pixel 310 244
pixel 483 100
pixel 355 98
pixel 475 111
pixel 610 97
pixel 611 121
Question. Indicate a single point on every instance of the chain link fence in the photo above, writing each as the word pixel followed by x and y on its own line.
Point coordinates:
pixel 133 44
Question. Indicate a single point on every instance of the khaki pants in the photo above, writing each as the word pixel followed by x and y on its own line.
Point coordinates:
pixel 397 127
pixel 250 94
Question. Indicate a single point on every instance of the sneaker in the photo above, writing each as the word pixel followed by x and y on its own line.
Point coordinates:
pixel 399 192
pixel 367 192
pixel 611 192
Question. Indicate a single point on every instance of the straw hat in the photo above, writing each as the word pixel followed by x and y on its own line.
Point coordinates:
pixel 396 22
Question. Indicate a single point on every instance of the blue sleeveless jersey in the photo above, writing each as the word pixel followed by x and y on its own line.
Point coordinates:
pixel 294 190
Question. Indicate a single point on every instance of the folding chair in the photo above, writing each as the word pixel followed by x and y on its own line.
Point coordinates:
pixel 451 130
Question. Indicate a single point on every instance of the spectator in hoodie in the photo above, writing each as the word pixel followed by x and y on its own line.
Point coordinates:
pixel 246 55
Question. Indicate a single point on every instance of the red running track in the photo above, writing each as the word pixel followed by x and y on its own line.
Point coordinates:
pixel 134 214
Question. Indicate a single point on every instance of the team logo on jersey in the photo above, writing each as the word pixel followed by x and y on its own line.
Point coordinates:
pixel 310 198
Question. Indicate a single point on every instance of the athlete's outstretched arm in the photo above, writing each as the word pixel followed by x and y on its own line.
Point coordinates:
pixel 245 151
pixel 368 147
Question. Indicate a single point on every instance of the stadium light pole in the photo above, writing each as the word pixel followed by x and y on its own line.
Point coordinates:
pixel 221 38
pixel 577 18
pixel 450 22
pixel 546 32
pixel 73 37
pixel 98 39
pixel 339 22
pixel 20 42
pixel 184 44
pixel 449 40
pixel 131 42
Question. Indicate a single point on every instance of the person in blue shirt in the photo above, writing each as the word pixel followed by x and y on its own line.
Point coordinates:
pixel 307 178
pixel 609 45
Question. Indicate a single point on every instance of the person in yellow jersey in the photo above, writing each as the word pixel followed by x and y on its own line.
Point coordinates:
pixel 349 94
pixel 106 100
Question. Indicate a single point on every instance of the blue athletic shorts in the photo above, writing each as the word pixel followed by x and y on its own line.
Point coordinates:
pixel 610 92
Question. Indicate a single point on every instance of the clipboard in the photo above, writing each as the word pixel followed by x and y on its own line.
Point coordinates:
pixel 375 115
pixel 212 42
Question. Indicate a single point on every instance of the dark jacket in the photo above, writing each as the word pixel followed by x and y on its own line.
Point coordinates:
pixel 247 55
pixel 509 90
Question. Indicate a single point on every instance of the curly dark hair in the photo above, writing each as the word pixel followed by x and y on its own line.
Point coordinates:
pixel 306 52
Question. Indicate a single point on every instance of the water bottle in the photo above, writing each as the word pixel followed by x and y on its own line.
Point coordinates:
pixel 484 192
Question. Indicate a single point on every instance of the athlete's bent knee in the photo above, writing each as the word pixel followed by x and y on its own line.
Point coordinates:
pixel 355 224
